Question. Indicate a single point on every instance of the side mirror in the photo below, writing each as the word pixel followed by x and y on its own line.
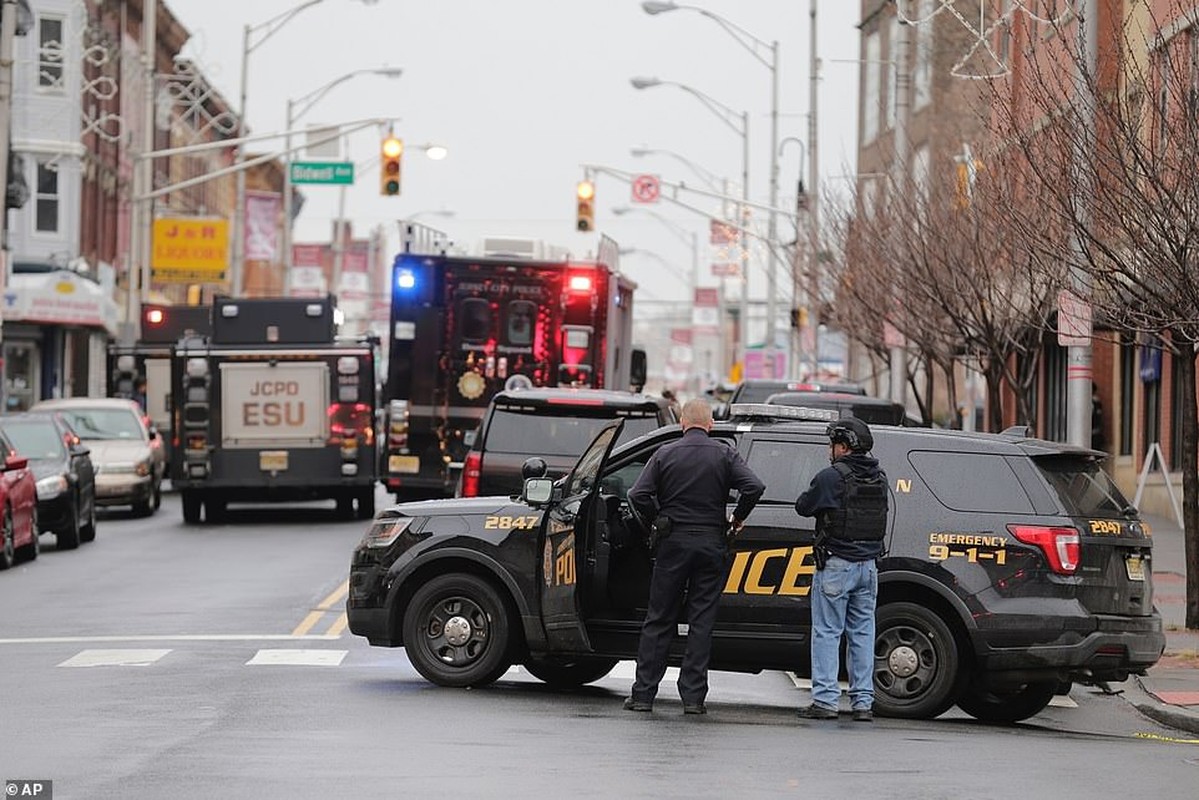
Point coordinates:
pixel 537 491
pixel 637 368
pixel 152 433
pixel 15 462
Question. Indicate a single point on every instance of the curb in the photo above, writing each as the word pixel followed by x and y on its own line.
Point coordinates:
pixel 1148 705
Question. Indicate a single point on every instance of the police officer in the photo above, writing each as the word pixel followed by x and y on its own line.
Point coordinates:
pixel 687 482
pixel 849 501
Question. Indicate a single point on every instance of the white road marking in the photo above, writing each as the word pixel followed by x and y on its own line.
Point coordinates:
pixel 114 658
pixel 298 658
pixel 197 637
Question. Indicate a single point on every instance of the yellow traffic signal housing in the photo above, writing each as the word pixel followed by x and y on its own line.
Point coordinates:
pixel 585 192
pixel 390 160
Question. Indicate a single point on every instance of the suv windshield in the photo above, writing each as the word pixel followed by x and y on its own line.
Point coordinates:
pixel 1084 488
pixel 533 432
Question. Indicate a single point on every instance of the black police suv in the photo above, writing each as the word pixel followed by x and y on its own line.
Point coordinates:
pixel 555 424
pixel 1012 565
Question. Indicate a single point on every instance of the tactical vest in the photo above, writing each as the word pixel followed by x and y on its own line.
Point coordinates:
pixel 862 516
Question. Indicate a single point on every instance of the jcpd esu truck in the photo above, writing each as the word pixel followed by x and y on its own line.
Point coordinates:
pixel 273 407
pixel 463 328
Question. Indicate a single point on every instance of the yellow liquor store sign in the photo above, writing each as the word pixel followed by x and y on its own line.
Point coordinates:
pixel 190 250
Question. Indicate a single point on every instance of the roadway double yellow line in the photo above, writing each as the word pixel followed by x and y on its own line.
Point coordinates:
pixel 340 622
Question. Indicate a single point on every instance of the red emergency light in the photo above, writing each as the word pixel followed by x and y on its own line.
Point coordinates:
pixel 580 283
pixel 155 316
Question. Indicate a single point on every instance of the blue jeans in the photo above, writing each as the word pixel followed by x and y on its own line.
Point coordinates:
pixel 843 598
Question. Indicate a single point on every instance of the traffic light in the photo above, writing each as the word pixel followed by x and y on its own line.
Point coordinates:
pixel 391 156
pixel 586 195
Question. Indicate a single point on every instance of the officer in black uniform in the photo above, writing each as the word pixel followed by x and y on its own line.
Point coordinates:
pixel 687 483
pixel 848 498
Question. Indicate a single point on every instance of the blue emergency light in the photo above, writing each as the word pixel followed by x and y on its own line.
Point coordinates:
pixel 405 279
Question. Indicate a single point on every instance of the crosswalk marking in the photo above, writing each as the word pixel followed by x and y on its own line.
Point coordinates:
pixel 298 658
pixel 114 658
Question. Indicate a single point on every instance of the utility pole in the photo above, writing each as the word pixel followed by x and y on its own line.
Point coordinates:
pixel 8 31
pixel 773 226
pixel 1079 370
pixel 814 268
pixel 141 213
pixel 900 180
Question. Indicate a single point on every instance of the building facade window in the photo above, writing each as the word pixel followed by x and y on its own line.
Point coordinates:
pixel 872 68
pixel 1055 357
pixel 1176 413
pixel 50 51
pixel 922 71
pixel 892 72
pixel 46 199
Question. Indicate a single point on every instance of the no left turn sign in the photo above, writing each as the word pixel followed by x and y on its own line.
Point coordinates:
pixel 646 189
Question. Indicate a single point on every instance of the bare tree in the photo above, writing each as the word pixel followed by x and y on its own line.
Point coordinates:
pixel 943 267
pixel 1111 168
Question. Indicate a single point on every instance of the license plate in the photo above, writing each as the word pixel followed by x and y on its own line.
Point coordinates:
pixel 272 460
pixel 406 464
pixel 1135 567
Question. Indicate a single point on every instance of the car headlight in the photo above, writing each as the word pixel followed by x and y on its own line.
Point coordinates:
pixel 384 532
pixel 49 488
pixel 142 468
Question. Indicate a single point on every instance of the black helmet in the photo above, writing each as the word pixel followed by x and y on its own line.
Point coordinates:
pixel 851 432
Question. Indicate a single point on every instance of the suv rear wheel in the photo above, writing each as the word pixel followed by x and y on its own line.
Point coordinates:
pixel 457 631
pixel 1007 704
pixel 915 663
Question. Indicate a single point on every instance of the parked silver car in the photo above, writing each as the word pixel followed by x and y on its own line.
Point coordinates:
pixel 126 450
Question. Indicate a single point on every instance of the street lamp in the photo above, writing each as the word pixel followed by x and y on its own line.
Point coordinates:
pixel 268 29
pixel 295 109
pixel 753 45
pixel 728 117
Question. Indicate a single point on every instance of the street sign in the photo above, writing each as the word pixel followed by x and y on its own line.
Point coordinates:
pixel 1073 320
pixel 646 189
pixel 726 269
pixel 722 232
pixel 329 172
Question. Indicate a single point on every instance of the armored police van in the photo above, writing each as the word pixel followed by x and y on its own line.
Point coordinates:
pixel 273 407
pixel 1013 566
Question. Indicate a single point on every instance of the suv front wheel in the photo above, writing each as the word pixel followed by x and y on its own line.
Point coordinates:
pixel 915 663
pixel 457 631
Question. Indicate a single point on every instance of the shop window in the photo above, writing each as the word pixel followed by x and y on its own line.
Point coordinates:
pixel 1176 413
pixel 1128 387
pixel 46 199
pixel 50 53
pixel 20 375
pixel 1056 393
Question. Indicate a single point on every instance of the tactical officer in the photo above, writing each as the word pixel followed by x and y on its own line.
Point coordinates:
pixel 849 501
pixel 684 488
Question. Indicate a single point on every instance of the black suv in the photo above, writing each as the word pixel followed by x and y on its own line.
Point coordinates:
pixel 1013 565
pixel 554 424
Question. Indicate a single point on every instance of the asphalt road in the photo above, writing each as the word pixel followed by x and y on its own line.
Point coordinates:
pixel 198 662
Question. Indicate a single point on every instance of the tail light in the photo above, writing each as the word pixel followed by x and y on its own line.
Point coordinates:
pixel 397 424
pixel 471 470
pixel 349 422
pixel 1061 546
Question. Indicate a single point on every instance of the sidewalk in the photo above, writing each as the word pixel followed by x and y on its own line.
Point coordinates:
pixel 1169 693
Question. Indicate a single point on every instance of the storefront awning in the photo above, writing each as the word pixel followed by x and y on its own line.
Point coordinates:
pixel 58 298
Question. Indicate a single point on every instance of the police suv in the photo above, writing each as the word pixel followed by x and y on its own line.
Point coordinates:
pixel 1012 565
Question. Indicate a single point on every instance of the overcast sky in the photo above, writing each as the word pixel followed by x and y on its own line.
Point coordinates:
pixel 523 92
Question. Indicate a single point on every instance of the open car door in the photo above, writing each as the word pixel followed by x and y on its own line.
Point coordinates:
pixel 565 547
